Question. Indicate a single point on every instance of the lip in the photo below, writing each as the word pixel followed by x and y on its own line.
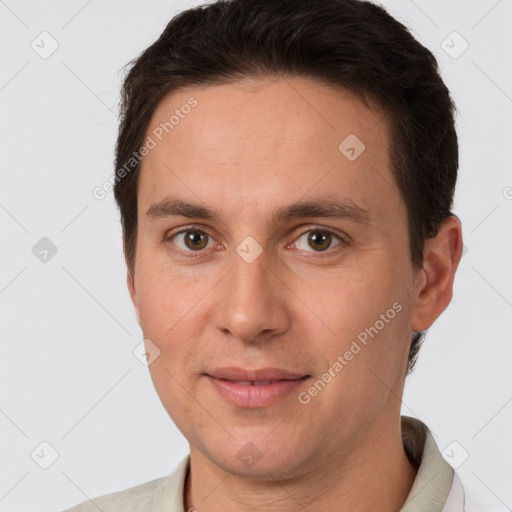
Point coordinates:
pixel 262 374
pixel 235 385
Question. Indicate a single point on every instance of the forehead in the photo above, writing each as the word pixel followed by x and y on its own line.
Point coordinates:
pixel 273 139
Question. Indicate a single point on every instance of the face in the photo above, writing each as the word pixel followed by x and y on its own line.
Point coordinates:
pixel 269 237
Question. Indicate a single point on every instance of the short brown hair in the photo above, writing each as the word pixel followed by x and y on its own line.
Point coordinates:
pixel 350 44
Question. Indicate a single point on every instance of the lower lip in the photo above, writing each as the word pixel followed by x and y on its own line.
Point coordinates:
pixel 244 395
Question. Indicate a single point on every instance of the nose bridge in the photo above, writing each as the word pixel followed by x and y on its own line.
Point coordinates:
pixel 250 302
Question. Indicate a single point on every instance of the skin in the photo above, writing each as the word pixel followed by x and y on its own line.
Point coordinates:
pixel 246 149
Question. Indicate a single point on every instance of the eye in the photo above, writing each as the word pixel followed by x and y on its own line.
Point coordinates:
pixel 318 239
pixel 192 239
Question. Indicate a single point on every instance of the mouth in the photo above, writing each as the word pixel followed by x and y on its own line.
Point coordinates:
pixel 256 382
pixel 254 388
pixel 269 374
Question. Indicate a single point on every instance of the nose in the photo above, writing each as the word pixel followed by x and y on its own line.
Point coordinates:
pixel 251 303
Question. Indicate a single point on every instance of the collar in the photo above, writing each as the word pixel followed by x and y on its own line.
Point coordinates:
pixel 436 487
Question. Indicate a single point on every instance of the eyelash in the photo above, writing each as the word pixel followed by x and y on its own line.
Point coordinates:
pixel 343 241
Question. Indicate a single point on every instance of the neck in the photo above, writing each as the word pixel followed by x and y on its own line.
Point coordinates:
pixel 375 475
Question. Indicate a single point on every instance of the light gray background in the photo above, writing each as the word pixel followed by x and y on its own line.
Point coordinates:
pixel 67 372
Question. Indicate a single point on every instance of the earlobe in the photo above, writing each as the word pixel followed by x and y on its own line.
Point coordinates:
pixel 130 281
pixel 435 288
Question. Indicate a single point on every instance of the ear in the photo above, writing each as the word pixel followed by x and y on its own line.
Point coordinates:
pixel 130 281
pixel 434 288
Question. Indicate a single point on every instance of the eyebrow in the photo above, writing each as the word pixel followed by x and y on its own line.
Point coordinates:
pixel 321 207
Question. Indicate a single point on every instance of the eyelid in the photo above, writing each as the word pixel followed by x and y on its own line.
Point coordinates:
pixel 315 227
pixel 192 227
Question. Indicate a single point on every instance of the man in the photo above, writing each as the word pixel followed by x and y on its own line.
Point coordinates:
pixel 285 174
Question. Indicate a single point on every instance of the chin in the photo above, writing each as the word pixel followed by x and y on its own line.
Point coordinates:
pixel 258 459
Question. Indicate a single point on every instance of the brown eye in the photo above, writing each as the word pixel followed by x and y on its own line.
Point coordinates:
pixel 196 240
pixel 191 240
pixel 319 240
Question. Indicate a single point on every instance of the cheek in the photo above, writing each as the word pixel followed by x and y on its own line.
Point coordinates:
pixel 368 329
pixel 168 300
pixel 174 317
pixel 351 300
pixel 366 367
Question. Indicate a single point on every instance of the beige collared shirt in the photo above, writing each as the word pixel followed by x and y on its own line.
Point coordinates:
pixel 436 488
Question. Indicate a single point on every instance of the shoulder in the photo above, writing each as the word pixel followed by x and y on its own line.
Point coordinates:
pixel 164 493
pixel 135 498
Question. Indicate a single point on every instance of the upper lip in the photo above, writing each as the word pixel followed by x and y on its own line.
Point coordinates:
pixel 262 374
